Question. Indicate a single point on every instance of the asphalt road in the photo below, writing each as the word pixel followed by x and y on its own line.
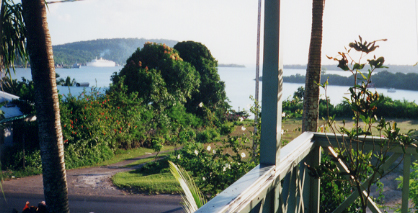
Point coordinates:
pixel 90 190
pixel 101 204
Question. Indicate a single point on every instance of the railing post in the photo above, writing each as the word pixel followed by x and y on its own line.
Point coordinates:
pixel 406 176
pixel 314 184
pixel 271 97
pixel 272 87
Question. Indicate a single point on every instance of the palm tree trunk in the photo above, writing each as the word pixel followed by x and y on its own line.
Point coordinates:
pixel 313 71
pixel 47 107
pixel 1 36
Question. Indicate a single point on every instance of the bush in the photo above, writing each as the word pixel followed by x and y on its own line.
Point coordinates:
pixel 226 129
pixel 207 135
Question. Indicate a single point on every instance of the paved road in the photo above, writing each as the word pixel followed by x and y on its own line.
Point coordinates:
pixel 90 190
pixel 101 204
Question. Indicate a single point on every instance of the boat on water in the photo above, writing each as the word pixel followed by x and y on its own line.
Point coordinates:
pixel 76 65
pixel 101 63
pixel 391 90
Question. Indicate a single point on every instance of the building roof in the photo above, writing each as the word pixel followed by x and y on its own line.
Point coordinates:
pixel 4 96
pixel 10 110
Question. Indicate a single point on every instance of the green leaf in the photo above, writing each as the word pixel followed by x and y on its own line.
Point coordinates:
pixel 358 66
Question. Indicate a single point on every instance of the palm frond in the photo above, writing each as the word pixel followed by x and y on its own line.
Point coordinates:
pixel 192 197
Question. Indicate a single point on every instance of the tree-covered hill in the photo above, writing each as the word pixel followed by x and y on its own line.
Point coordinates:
pixel 391 68
pixel 117 49
pixel 383 79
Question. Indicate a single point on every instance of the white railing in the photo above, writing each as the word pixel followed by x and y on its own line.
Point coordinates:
pixel 287 187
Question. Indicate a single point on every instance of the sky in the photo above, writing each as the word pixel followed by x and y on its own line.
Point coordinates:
pixel 229 27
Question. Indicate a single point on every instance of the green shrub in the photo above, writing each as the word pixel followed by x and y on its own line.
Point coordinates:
pixel 226 128
pixel 207 135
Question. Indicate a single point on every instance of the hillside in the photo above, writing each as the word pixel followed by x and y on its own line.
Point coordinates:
pixel 117 50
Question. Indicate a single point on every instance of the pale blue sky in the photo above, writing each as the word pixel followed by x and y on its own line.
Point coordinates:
pixel 228 27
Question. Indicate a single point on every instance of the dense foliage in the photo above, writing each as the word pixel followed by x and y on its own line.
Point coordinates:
pixel 143 107
pixel 158 74
pixel 211 91
pixel 214 164
pixel 385 108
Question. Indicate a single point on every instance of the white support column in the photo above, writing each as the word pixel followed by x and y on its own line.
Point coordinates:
pixel 272 86
pixel 271 111
pixel 406 176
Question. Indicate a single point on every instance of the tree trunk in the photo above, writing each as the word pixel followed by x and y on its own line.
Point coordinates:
pixel 1 36
pixel 313 71
pixel 47 107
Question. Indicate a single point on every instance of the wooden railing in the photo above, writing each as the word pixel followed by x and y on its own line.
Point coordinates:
pixel 287 187
pixel 281 183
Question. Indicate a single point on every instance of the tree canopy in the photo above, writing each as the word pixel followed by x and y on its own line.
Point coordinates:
pixel 158 73
pixel 211 90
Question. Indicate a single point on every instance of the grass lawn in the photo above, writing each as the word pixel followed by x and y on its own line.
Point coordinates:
pixel 147 182
pixel 159 180
pixel 122 155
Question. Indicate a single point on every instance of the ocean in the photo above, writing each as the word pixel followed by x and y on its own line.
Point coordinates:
pixel 240 83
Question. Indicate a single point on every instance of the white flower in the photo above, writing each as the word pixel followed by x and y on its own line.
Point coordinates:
pixel 282 131
pixel 208 148
pixel 201 104
pixel 224 169
pixel 196 152
pixel 243 155
pixel 203 178
pixel 178 156
pixel 214 151
pixel 241 119
pixel 227 166
pixel 243 128
pixel 283 114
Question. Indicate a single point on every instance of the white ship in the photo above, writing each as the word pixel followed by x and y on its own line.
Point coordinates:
pixel 101 63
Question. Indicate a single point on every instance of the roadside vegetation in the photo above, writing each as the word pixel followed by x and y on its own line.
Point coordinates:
pixel 97 126
pixel 162 113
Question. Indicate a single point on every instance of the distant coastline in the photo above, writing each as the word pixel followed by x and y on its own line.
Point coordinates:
pixel 232 65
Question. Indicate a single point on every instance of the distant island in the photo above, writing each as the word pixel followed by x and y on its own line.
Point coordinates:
pixel 232 65
pixel 392 68
pixel 115 49
pixel 383 79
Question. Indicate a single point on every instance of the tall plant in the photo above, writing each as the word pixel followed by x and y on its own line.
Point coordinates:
pixel 355 163
pixel 193 199
pixel 47 106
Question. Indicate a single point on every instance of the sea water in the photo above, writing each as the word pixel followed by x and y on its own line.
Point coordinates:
pixel 239 83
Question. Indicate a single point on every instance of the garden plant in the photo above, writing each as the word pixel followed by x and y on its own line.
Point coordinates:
pixel 350 166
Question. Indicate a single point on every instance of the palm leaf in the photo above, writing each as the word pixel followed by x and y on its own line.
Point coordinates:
pixel 192 197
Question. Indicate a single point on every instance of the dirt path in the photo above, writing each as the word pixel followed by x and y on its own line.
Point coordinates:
pixel 86 181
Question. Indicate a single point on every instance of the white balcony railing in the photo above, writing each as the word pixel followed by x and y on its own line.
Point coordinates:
pixel 281 183
pixel 290 186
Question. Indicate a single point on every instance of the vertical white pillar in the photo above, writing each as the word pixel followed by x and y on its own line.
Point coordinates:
pixel 405 188
pixel 271 106
pixel 271 113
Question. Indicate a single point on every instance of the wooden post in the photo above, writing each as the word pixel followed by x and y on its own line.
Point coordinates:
pixel 406 176
pixel 271 97
pixel 272 86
